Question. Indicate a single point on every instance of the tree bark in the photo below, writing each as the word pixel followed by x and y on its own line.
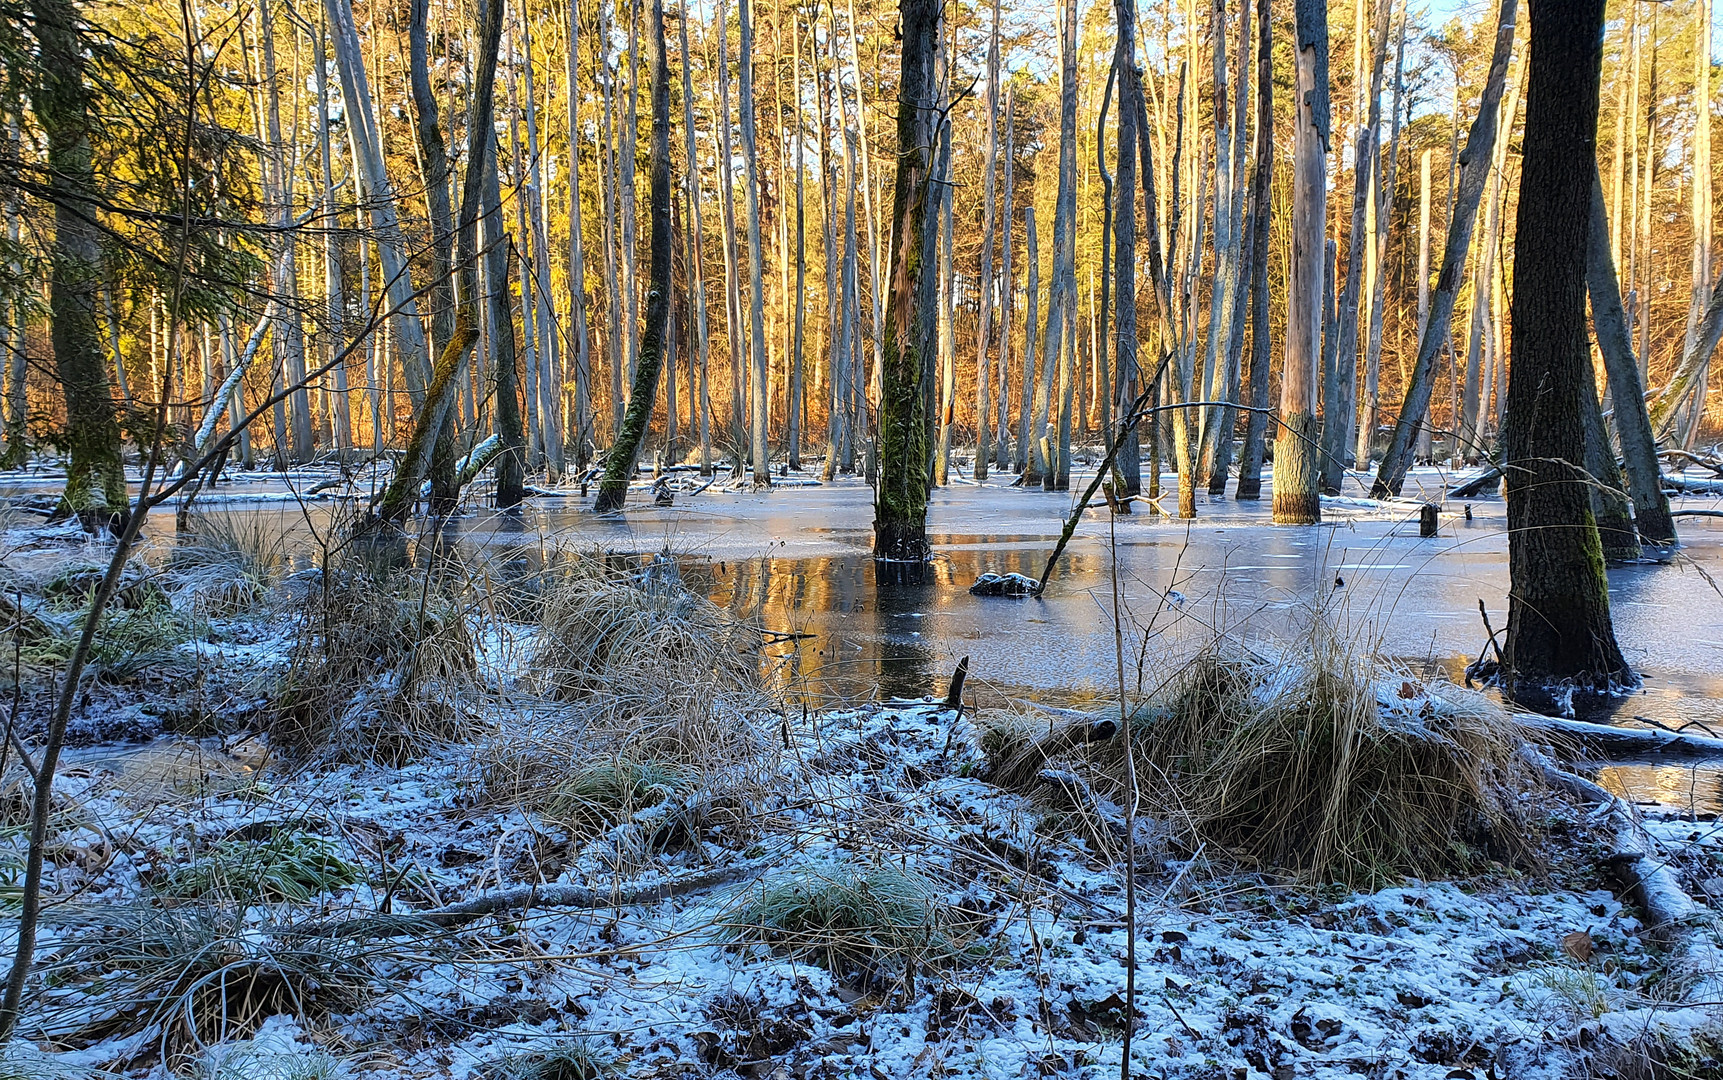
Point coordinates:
pixel 95 490
pixel 619 467
pixel 1379 229
pixel 756 297
pixel 984 277
pixel 1296 475
pixel 900 500
pixel 1061 294
pixel 1261 194
pixel 1474 170
pixel 576 251
pixel 1632 422
pixel 1559 629
pixel 434 159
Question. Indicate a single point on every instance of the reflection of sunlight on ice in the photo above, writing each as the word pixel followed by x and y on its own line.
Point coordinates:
pixel 1690 789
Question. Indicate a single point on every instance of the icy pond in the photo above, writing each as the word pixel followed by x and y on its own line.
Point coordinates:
pixel 799 559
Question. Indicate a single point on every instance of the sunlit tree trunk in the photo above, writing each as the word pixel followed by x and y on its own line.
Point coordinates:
pixel 735 321
pixel 796 372
pixel 1007 287
pixel 619 467
pixel 756 298
pixel 984 276
pixel 1376 256
pixel 576 250
pixel 95 488
pixel 1480 146
pixel 900 499
pixel 1261 190
pixel 1028 461
pixel 1296 500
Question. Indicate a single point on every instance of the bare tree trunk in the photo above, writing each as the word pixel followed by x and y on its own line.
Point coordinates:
pixel 795 404
pixel 608 199
pixel 290 337
pixel 1480 145
pixel 409 332
pixel 1007 287
pixel 1296 475
pixel 549 380
pixel 984 277
pixel 333 333
pixel 619 467
pixel 1060 293
pixel 1559 628
pixel 583 433
pixel 1262 185
pixel 756 298
pixel 1340 399
pixel 434 160
pixel 626 199
pixel 1027 460
pixel 737 328
pixel 1693 412
pixel 1380 222
pixel 900 500
pixel 875 279
pixel 947 344
pixel 1632 422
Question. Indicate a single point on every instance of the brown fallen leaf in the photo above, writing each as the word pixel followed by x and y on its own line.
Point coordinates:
pixel 1578 946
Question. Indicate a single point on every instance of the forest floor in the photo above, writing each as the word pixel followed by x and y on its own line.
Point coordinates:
pixel 296 785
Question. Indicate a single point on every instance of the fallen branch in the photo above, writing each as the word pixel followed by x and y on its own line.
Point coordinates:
pixel 1692 487
pixel 579 896
pixel 1606 739
pixel 1473 486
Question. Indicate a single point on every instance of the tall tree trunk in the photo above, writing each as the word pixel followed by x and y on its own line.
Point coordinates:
pixel 1559 628
pixel 1027 455
pixel 576 249
pixel 1694 411
pixel 627 195
pixel 1379 228
pixel 1126 473
pixel 548 400
pixel 735 323
pixel 1296 475
pixel 1261 193
pixel 947 354
pixel 1060 292
pixel 1632 422
pixel 391 244
pixel 434 418
pixel 1474 170
pixel 1007 285
pixel 333 331
pixel 756 297
pixel 619 467
pixel 434 159
pixel 984 277
pixel 95 490
pixel 696 255
pixel 876 280
pixel 796 375
pixel 900 500
pixel 1342 389
pixel 608 199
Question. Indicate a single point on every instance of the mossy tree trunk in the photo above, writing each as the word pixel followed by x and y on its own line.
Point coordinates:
pixel 900 500
pixel 95 489
pixel 431 439
pixel 619 467
pixel 1559 629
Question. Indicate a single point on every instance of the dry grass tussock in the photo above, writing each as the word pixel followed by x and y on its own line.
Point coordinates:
pixel 659 697
pixel 1322 762
pixel 225 563
pixel 383 665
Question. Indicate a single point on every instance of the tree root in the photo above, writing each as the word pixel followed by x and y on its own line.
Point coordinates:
pixel 579 896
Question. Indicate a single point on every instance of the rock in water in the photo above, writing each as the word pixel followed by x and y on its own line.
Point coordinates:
pixel 661 493
pixel 1004 585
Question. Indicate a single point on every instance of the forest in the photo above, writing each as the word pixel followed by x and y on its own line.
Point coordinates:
pixel 813 540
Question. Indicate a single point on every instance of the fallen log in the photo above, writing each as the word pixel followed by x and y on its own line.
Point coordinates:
pixel 1472 486
pixel 1608 740
pixel 1685 486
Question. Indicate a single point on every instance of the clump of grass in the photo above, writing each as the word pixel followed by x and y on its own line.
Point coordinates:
pixel 1318 763
pixel 876 921
pixel 21 1061
pixel 381 661
pixel 250 1061
pixel 607 793
pixel 563 1059
pixel 225 563
pixel 290 867
pixel 187 977
pixel 651 658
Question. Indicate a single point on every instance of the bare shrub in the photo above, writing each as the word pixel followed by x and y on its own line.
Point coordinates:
pixel 381 662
